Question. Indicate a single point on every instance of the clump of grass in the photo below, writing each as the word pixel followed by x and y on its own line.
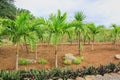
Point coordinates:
pixel 42 61
pixel 23 61
pixel 67 62
pixel 81 58
pixel 78 60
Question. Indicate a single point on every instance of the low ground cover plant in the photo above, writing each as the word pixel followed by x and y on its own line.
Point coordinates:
pixel 23 61
pixel 57 73
pixel 67 62
pixel 78 60
pixel 42 61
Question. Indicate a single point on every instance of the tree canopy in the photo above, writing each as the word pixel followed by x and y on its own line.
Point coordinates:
pixel 7 9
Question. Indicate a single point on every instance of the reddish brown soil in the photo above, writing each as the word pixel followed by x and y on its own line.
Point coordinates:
pixel 103 54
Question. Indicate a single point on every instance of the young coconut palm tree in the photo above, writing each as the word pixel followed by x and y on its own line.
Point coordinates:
pixel 94 30
pixel 115 32
pixel 56 24
pixel 79 17
pixel 18 29
pixel 85 33
pixel 37 25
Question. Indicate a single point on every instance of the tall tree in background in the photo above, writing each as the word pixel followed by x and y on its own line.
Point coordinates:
pixel 20 10
pixel 115 32
pixel 79 17
pixel 37 25
pixel 7 9
pixel 94 30
pixel 1 31
pixel 86 34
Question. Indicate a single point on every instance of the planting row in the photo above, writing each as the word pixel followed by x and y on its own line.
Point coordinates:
pixel 67 60
pixel 57 73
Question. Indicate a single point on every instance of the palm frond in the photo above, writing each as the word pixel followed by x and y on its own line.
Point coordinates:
pixel 79 16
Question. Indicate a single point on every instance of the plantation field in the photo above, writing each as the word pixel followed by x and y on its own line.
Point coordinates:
pixel 102 54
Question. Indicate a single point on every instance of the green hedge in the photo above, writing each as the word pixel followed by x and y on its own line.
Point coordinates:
pixel 56 73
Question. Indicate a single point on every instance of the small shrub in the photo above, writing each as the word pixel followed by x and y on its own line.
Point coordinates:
pixel 23 61
pixel 67 62
pixel 77 61
pixel 102 69
pixel 56 73
pixel 67 73
pixel 90 70
pixel 42 61
pixel 63 58
pixel 80 58
pixel 113 67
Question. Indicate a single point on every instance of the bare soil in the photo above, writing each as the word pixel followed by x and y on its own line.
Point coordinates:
pixel 102 54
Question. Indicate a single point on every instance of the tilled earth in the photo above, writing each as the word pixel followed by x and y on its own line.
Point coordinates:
pixel 102 54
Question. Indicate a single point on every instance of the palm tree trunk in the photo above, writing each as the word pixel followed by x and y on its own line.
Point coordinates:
pixel 114 41
pixel 36 53
pixel 79 42
pixel 21 46
pixel 49 37
pixel 89 41
pixel 27 50
pixel 104 38
pixel 93 42
pixel 0 49
pixel 62 45
pixel 56 60
pixel 84 39
pixel 17 55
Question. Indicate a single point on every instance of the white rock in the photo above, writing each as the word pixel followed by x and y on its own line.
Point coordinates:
pixel 119 72
pixel 91 77
pixel 79 78
pixel 32 60
pixel 117 56
pixel 69 79
pixel 70 56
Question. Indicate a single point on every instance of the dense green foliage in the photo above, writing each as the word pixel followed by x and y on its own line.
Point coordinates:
pixel 57 73
pixel 56 29
pixel 7 9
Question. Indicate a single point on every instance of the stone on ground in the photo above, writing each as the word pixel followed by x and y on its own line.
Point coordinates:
pixel 70 56
pixel 117 56
pixel 79 78
pixel 32 60
pixel 91 77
